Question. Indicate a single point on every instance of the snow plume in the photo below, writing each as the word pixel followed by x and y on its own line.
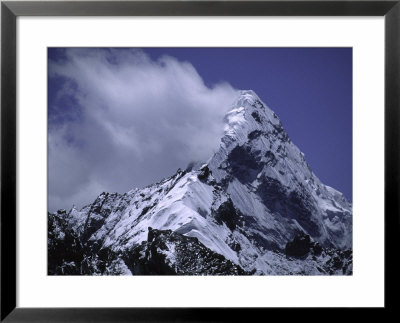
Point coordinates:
pixel 119 119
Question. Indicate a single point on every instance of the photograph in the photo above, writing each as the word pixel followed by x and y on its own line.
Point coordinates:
pixel 198 160
pixel 231 161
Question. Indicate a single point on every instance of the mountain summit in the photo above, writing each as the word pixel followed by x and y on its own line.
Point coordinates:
pixel 255 207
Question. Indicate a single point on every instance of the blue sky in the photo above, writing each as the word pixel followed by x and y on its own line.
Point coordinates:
pixel 310 89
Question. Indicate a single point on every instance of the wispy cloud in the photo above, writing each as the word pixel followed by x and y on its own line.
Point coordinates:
pixel 121 120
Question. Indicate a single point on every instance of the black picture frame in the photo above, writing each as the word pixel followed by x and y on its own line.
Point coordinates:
pixel 10 10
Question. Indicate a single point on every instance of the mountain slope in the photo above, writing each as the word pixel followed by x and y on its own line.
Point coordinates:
pixel 251 204
pixel 268 179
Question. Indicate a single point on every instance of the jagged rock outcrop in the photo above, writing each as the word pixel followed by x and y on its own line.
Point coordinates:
pixel 169 253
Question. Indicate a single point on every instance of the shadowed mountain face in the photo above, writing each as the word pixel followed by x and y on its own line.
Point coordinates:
pixel 255 207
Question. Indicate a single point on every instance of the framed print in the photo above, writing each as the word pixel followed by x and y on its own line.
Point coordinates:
pixel 244 147
pixel 252 148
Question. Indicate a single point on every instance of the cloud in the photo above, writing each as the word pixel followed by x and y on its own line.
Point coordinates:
pixel 120 120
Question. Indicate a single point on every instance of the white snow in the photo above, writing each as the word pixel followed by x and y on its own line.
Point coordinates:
pixel 185 204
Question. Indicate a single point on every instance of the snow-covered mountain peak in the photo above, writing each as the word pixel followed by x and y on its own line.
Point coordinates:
pixel 248 114
pixel 264 172
pixel 255 202
pixel 246 96
pixel 251 102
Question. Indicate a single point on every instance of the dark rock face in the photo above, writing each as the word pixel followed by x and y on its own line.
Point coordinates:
pixel 331 260
pixel 98 213
pixel 299 247
pixel 339 260
pixel 293 204
pixel 170 253
pixel 271 159
pixel 228 214
pixel 164 253
pixel 204 173
pixel 65 251
pixel 273 193
pixel 256 116
pixel 301 208
pixel 254 134
pixel 245 164
pixel 68 255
